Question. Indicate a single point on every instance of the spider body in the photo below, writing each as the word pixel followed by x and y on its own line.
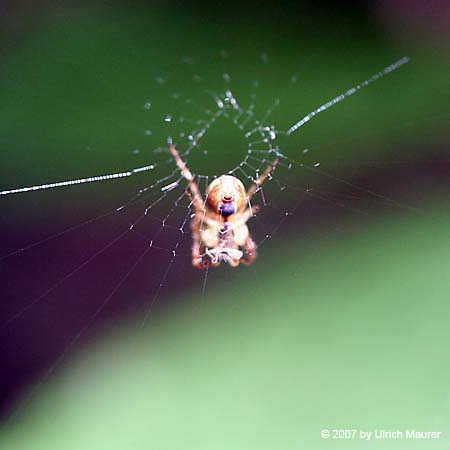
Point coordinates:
pixel 219 224
pixel 222 227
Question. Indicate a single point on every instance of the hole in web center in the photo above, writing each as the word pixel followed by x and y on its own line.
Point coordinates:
pixel 222 147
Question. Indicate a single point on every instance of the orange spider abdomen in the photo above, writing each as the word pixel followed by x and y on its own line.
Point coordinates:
pixel 226 195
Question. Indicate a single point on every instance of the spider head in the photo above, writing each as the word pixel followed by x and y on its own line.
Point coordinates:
pixel 226 195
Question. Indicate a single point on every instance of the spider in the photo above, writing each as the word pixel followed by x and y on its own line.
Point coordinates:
pixel 219 224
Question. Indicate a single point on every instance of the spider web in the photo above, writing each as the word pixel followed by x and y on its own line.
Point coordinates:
pixel 133 255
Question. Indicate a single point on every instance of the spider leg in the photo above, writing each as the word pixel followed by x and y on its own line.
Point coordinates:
pixel 199 258
pixel 250 252
pixel 189 196
pixel 197 199
pixel 257 184
pixel 233 262
pixel 247 214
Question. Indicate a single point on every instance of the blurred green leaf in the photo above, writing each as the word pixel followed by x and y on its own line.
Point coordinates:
pixel 351 335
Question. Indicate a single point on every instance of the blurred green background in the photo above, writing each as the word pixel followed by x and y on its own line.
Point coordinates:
pixel 341 322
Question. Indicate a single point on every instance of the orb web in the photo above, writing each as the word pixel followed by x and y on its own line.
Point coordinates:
pixel 134 256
